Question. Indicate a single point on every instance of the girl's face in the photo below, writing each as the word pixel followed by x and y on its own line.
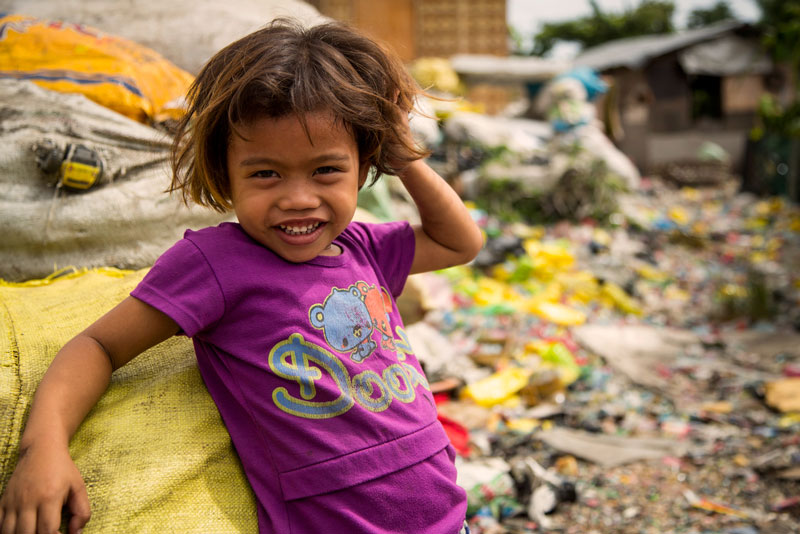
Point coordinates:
pixel 293 194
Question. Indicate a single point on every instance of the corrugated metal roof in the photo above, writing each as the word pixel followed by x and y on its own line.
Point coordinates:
pixel 727 55
pixel 513 69
pixel 634 52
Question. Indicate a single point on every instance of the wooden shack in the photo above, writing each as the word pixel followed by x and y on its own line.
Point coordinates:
pixel 424 28
pixel 671 93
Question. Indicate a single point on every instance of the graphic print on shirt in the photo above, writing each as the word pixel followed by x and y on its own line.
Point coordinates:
pixel 346 322
pixel 305 363
pixel 348 319
pixel 379 306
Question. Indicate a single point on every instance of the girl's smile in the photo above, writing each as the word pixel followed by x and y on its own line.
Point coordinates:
pixel 294 190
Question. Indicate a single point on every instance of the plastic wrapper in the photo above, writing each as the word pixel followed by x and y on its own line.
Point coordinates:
pixel 499 387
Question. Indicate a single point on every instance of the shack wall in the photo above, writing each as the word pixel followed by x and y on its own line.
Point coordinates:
pixel 420 28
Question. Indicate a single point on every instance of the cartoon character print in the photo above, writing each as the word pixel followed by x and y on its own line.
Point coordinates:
pixel 346 323
pixel 379 305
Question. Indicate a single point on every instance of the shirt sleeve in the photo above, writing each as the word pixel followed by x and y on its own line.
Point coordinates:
pixel 182 285
pixel 392 246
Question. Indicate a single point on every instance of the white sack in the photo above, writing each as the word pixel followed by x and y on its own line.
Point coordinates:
pixel 126 223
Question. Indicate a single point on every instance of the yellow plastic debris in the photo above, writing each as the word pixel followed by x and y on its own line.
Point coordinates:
pixel 771 206
pixel 567 465
pixel 676 293
pixel 499 387
pixel 601 236
pixel 678 215
pixel 581 286
pixel 700 228
pixel 548 258
pixel 555 355
pixel 491 292
pixel 523 425
pixel 691 193
pixel 648 272
pixel 733 291
pixel 551 292
pixel 784 394
pixel 557 313
pixel 741 460
pixel 501 272
pixel 562 359
pixel 620 298
pixel 789 420
pixel 756 223
pixel 722 407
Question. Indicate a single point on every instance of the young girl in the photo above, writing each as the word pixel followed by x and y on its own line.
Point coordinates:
pixel 291 310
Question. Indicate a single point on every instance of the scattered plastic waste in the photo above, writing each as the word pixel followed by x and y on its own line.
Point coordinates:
pixel 647 363
pixel 489 487
pixel 705 504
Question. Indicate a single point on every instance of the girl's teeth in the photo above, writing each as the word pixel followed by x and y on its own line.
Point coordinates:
pixel 299 229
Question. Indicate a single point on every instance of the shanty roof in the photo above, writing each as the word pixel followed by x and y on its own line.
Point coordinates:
pixel 513 69
pixel 634 52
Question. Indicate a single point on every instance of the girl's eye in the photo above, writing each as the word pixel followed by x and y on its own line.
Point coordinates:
pixel 264 174
pixel 327 170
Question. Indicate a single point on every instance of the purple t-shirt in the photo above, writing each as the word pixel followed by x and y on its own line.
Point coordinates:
pixel 314 377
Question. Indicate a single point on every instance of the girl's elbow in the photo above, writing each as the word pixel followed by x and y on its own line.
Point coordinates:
pixel 473 245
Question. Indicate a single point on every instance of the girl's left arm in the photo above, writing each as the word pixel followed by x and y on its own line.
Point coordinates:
pixel 447 235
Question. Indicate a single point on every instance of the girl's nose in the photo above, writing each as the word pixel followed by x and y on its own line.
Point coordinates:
pixel 298 194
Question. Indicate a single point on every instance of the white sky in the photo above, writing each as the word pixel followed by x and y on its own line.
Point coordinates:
pixel 527 15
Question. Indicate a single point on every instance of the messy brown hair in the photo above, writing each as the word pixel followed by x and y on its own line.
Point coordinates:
pixel 282 69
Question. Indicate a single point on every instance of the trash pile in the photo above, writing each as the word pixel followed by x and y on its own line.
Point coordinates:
pixel 637 376
pixel 545 157
pixel 624 354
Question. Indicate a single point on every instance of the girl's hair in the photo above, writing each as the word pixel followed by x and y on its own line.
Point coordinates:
pixel 285 68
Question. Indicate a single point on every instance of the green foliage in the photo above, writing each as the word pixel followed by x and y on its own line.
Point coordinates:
pixel 780 22
pixel 700 18
pixel 516 40
pixel 772 118
pixel 649 17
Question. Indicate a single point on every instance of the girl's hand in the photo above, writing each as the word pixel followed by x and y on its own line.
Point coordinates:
pixel 45 480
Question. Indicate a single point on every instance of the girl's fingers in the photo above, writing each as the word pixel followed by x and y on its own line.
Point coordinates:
pixel 8 524
pixel 49 519
pixel 26 522
pixel 78 504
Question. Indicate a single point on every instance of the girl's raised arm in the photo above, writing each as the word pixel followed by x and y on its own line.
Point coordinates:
pixel 45 478
pixel 447 235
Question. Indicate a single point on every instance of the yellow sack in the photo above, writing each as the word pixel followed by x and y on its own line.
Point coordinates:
pixel 114 72
pixel 154 452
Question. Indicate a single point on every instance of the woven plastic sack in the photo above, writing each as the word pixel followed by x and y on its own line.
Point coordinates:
pixel 125 221
pixel 72 58
pixel 154 452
